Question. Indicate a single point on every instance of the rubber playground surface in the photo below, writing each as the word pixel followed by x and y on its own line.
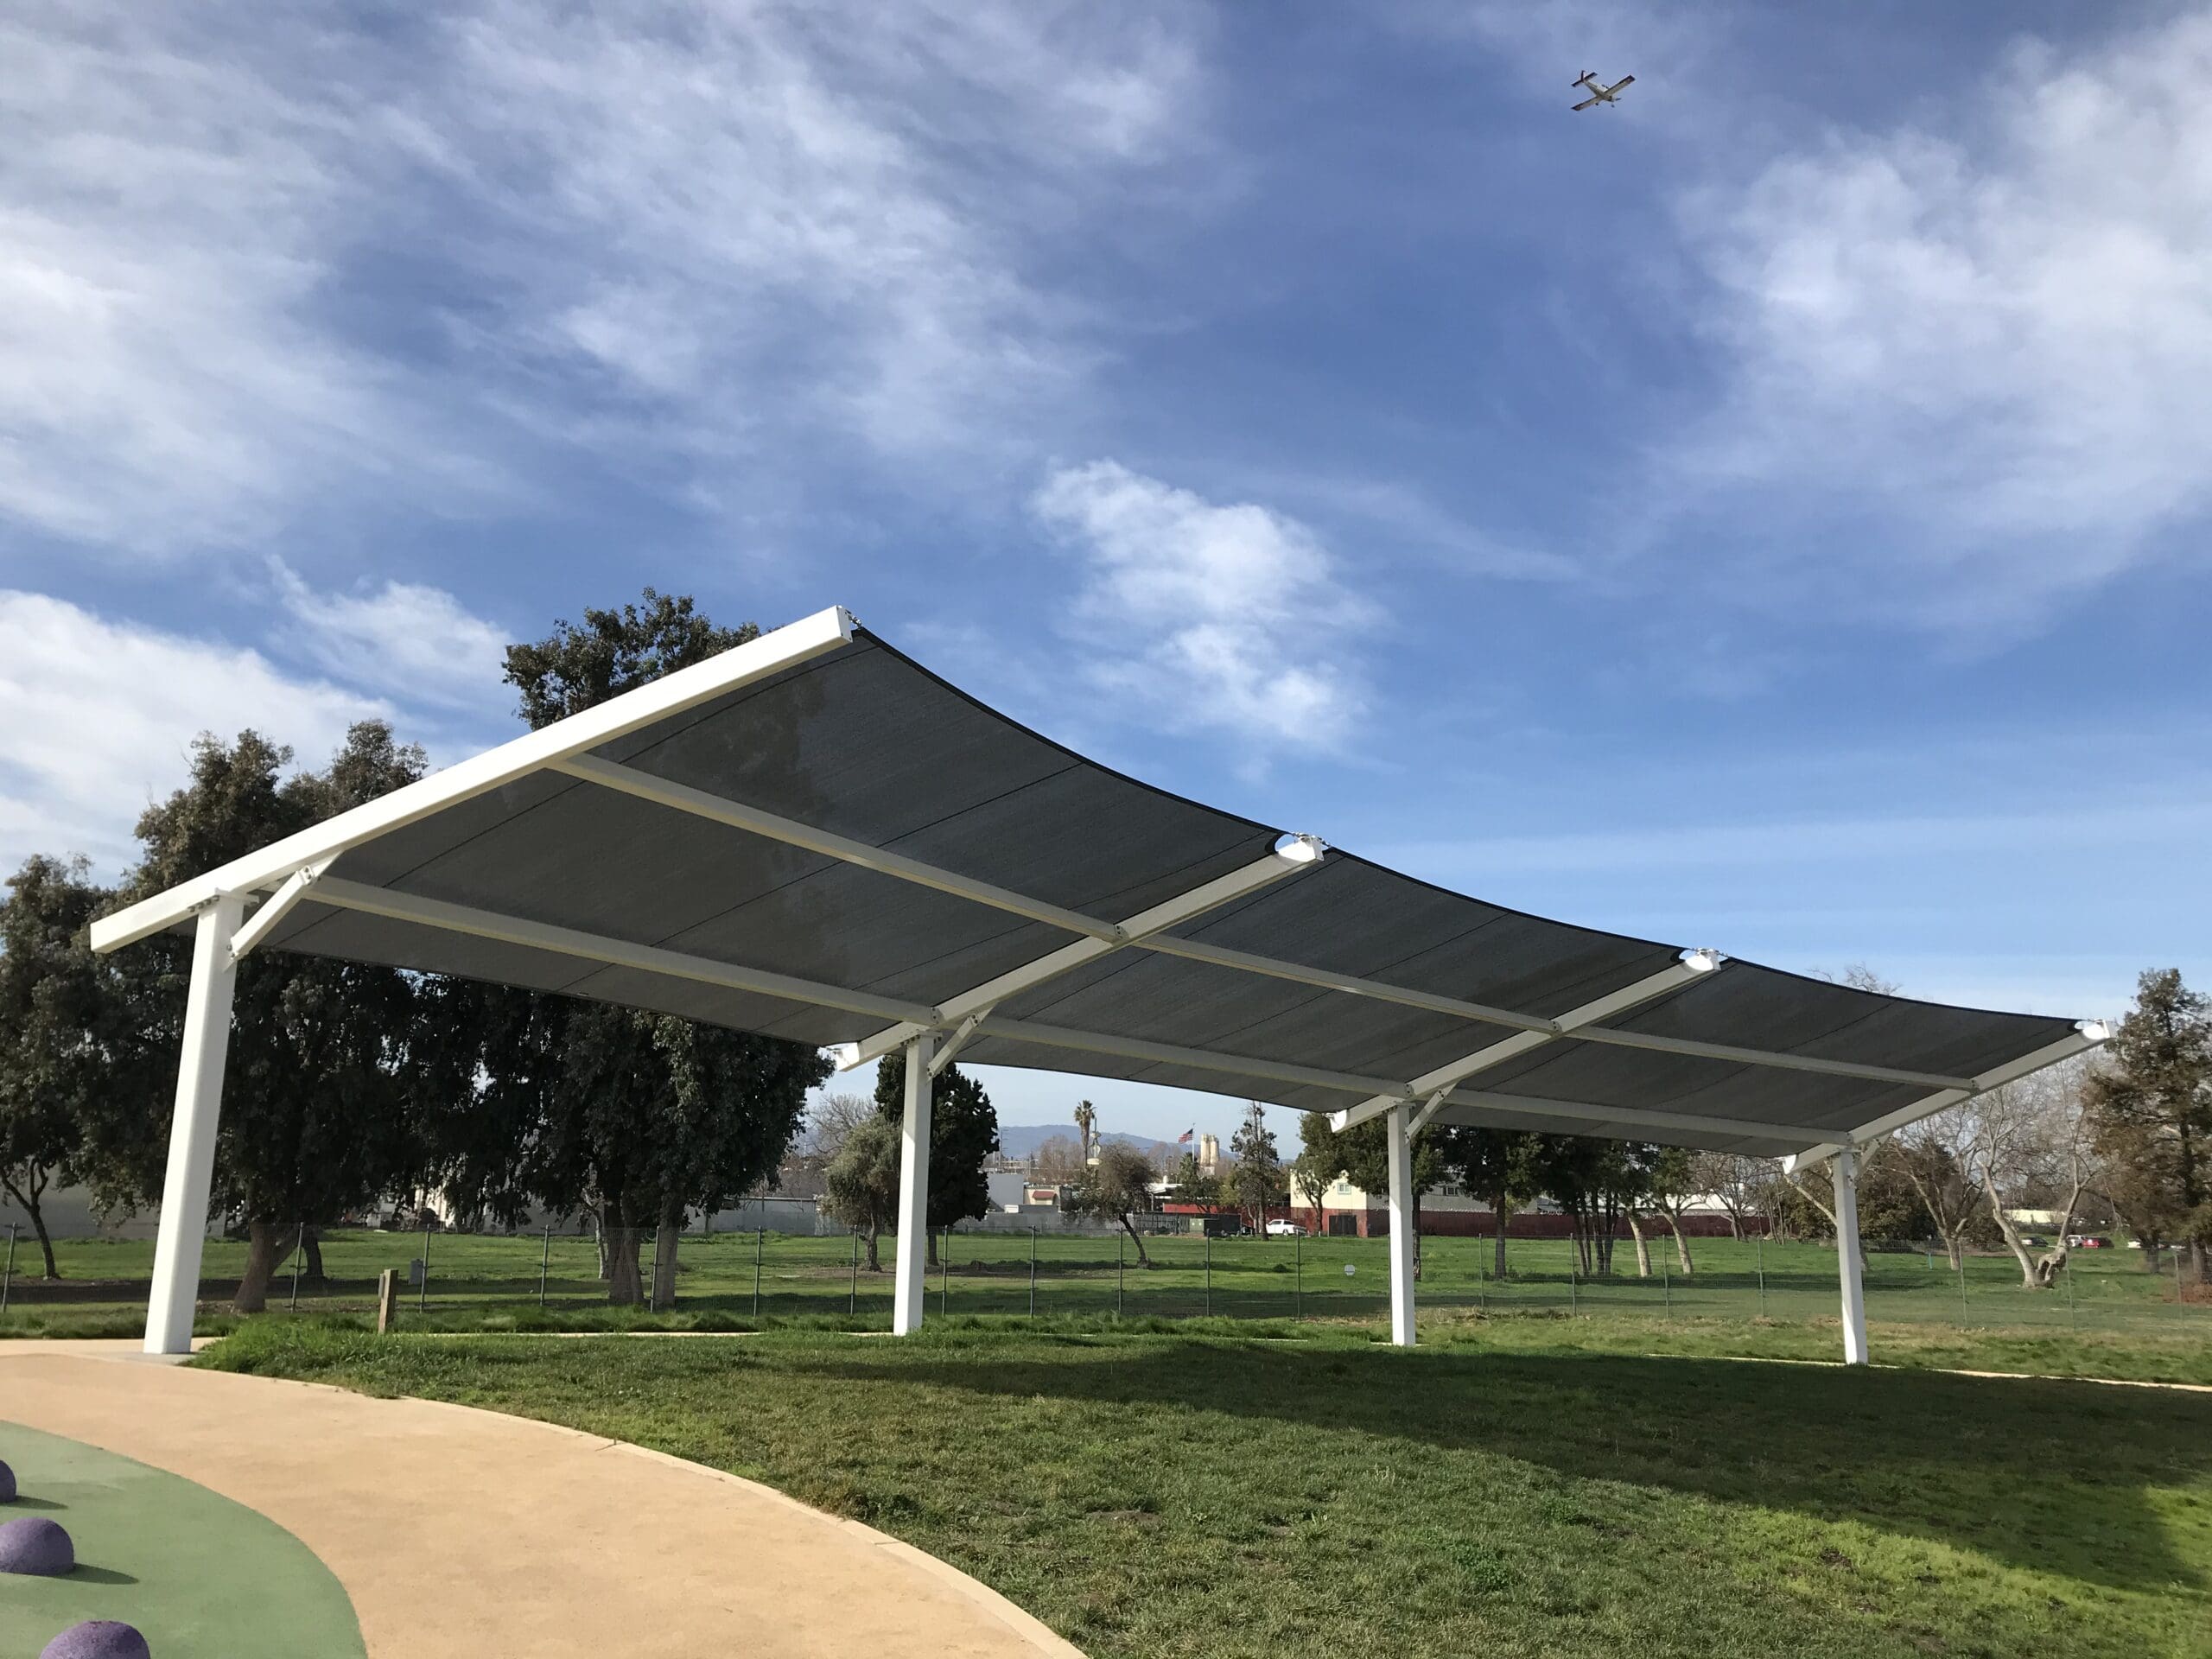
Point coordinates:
pixel 193 1571
pixel 247 1515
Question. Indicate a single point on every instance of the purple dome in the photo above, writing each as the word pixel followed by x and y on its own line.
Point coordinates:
pixel 97 1639
pixel 6 1484
pixel 37 1545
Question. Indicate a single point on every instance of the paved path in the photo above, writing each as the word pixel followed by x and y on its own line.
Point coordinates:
pixel 466 1532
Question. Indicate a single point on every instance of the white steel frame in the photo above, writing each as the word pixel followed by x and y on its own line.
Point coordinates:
pixel 298 869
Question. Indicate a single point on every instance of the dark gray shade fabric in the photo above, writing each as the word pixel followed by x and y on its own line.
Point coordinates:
pixel 865 743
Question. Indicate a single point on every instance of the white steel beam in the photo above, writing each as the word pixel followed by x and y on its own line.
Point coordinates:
pixel 1626 1116
pixel 2087 1034
pixel 1428 1109
pixel 1847 1257
pixel 701 805
pixel 1298 853
pixel 910 1289
pixel 672 693
pixel 957 1041
pixel 273 909
pixel 617 953
pixel 1350 984
pixel 1198 1060
pixel 1692 965
pixel 1404 1218
pixel 174 1293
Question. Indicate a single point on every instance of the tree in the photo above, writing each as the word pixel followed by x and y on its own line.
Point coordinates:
pixel 635 1117
pixel 1736 1182
pixel 61 1031
pixel 331 1067
pixel 1937 1155
pixel 1057 1161
pixel 1362 1154
pixel 1086 1125
pixel 963 1135
pixel 2150 1110
pixel 1498 1166
pixel 1670 1179
pixel 1192 1185
pixel 861 1186
pixel 2031 1141
pixel 1115 1188
pixel 1256 1181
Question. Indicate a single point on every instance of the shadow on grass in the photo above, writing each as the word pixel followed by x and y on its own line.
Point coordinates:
pixel 2050 1476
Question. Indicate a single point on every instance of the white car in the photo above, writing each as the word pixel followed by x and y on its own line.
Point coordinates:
pixel 1285 1230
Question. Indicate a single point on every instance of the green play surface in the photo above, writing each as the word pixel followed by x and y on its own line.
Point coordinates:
pixel 196 1572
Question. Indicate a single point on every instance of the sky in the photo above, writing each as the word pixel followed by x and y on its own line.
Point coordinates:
pixel 1771 513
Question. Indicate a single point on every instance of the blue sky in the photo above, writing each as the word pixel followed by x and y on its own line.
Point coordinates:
pixel 1769 514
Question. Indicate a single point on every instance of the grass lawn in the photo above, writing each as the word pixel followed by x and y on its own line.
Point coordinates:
pixel 480 1282
pixel 1495 1492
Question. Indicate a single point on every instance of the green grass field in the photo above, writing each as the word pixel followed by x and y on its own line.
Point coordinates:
pixel 1771 1294
pixel 1506 1489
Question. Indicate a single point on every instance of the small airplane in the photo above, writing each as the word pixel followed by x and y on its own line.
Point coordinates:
pixel 1600 93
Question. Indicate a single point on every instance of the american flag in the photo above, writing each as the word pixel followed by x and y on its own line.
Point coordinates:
pixel 1184 1138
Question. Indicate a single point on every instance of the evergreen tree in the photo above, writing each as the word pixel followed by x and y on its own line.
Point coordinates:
pixel 64 1038
pixel 331 1067
pixel 964 1134
pixel 1257 1181
pixel 635 1117
pixel 2150 1111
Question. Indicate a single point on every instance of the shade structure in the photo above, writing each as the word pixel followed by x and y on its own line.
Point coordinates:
pixel 814 837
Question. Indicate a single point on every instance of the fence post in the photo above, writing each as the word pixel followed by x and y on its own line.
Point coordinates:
pixel 7 1272
pixel 1666 1290
pixel 759 1244
pixel 2180 1305
pixel 1574 1283
pixel 1962 1288
pixel 423 1295
pixel 1208 1248
pixel 544 1266
pixel 1033 1272
pixel 1121 1270
pixel 299 1255
pixel 852 1302
pixel 387 1300
pixel 2067 1268
pixel 1761 1252
pixel 1298 1255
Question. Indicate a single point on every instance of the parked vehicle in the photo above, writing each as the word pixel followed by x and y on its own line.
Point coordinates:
pixel 1285 1230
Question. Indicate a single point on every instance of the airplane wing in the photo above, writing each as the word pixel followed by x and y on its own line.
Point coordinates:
pixel 1587 102
pixel 1625 81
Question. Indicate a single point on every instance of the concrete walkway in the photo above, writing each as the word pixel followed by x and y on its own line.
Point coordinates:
pixel 465 1532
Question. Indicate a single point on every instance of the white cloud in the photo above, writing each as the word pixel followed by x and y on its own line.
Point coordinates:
pixel 414 641
pixel 97 719
pixel 1232 618
pixel 1967 362
pixel 253 257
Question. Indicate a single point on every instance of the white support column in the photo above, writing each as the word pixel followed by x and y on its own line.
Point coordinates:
pixel 911 1289
pixel 1402 1223
pixel 1847 1257
pixel 191 1128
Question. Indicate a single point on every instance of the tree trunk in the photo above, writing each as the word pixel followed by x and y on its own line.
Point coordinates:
pixel 45 1243
pixel 261 1252
pixel 1682 1246
pixel 27 1199
pixel 1137 1239
pixel 1497 1212
pixel 1735 1227
pixel 606 1253
pixel 930 1234
pixel 620 1246
pixel 311 1242
pixel 873 1264
pixel 665 1237
pixel 1643 1247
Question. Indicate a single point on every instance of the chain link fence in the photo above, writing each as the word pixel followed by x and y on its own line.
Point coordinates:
pixel 736 1280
